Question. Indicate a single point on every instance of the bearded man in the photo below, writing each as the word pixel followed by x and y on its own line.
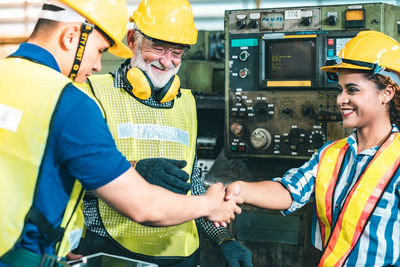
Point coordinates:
pixel 153 122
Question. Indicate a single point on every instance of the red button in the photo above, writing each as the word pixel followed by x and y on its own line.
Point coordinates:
pixel 330 42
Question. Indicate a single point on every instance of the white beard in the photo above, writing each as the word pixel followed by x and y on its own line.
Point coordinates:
pixel 159 80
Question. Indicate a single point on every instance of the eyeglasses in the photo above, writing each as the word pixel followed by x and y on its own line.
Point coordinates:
pixel 161 50
pixel 336 61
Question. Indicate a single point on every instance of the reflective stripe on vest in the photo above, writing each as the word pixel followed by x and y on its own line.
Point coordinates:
pixel 359 204
pixel 324 187
pixel 28 99
pixel 73 222
pixel 143 132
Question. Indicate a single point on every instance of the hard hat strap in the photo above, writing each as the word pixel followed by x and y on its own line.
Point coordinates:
pixel 86 29
pixel 375 68
pixel 336 61
pixel 392 74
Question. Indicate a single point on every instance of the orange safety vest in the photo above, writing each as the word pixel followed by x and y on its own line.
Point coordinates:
pixel 361 201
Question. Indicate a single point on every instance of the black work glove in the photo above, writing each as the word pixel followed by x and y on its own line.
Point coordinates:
pixel 166 173
pixel 235 254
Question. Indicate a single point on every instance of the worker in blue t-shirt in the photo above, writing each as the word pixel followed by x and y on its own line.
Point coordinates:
pixel 54 140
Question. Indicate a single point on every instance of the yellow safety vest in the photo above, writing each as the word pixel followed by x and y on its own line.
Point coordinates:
pixel 361 201
pixel 28 98
pixel 142 132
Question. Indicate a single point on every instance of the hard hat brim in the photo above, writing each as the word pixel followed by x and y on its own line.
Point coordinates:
pixel 336 68
pixel 120 50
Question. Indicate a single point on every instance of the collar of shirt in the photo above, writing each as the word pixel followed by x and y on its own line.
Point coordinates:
pixel 352 141
pixel 37 54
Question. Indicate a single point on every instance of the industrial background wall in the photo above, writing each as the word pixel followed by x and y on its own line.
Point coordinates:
pixel 258 114
pixel 17 17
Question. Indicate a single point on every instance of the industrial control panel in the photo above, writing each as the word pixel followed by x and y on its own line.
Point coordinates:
pixel 278 103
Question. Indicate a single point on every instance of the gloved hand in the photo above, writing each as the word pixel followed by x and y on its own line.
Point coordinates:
pixel 166 173
pixel 235 254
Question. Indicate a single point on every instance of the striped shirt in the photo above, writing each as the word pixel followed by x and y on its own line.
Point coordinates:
pixel 380 240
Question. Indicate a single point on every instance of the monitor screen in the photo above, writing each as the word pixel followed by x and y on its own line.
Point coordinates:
pixel 290 59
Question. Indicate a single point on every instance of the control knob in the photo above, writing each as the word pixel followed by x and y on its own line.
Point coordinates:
pixel 308 110
pixel 253 24
pixel 241 24
pixel 306 21
pixel 244 55
pixel 260 138
pixel 317 139
pixel 243 73
pixel 237 129
pixel 288 111
pixel 331 20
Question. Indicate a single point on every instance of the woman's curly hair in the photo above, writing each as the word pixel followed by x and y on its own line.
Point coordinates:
pixel 382 82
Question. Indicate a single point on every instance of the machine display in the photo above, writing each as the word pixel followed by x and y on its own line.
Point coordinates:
pixel 278 102
pixel 289 59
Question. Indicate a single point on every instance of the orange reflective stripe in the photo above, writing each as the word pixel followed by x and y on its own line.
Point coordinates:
pixel 324 187
pixel 361 202
pixel 332 183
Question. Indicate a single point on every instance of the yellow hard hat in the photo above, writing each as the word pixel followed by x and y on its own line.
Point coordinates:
pixel 369 50
pixel 167 20
pixel 111 16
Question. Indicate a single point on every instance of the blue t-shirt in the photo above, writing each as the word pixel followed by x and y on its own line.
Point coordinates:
pixel 80 146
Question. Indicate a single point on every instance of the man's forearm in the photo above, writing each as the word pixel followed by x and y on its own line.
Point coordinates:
pixel 144 203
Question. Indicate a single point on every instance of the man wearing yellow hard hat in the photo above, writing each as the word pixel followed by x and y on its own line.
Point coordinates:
pixel 54 140
pixel 153 122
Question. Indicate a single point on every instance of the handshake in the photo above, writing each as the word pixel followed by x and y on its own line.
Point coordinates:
pixel 222 203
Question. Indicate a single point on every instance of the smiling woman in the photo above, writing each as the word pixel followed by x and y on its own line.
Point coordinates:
pixel 368 83
pixel 364 106
pixel 353 182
